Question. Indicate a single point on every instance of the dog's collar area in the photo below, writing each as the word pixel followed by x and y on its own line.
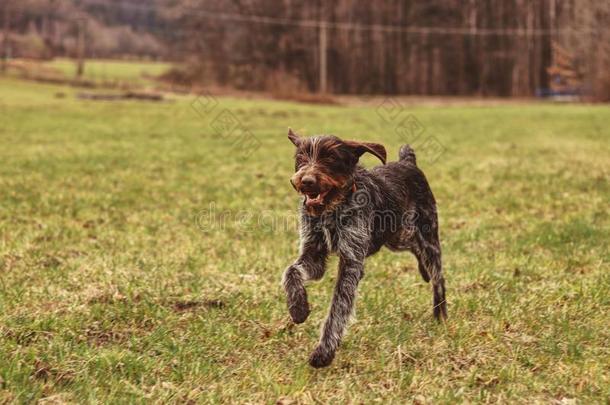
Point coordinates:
pixel 349 188
pixel 352 187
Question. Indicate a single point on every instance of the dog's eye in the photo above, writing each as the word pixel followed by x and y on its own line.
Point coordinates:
pixel 327 155
pixel 329 160
pixel 300 160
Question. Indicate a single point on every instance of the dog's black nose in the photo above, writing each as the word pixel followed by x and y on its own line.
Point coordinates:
pixel 308 181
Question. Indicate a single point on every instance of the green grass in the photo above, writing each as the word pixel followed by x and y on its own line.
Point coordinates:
pixel 108 70
pixel 133 73
pixel 111 291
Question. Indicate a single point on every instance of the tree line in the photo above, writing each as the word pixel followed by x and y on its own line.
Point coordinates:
pixel 474 47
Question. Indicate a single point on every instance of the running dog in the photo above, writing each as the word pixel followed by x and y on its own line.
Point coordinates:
pixel 353 212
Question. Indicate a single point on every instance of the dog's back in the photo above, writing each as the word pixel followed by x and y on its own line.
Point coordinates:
pixel 406 192
pixel 405 183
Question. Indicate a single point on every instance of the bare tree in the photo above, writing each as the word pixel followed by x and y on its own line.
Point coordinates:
pixel 6 34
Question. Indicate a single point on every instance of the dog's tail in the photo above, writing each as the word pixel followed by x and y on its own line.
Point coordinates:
pixel 407 154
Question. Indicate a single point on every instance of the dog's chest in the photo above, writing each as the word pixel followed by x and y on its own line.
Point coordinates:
pixel 343 233
pixel 330 237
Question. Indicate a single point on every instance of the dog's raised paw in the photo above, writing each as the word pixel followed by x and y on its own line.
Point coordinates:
pixel 321 357
pixel 299 311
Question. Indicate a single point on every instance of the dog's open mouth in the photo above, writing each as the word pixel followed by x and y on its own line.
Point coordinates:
pixel 314 198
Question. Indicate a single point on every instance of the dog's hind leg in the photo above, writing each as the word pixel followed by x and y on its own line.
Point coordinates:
pixel 422 270
pixel 430 266
pixel 438 293
pixel 427 249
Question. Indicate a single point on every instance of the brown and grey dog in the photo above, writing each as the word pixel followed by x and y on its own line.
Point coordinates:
pixel 353 212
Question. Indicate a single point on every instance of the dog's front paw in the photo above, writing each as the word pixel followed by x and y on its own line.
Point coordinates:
pixel 299 308
pixel 321 357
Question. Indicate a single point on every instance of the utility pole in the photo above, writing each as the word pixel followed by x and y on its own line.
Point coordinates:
pixel 323 47
pixel 5 37
pixel 80 48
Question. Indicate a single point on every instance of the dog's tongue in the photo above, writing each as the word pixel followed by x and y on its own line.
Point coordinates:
pixel 317 200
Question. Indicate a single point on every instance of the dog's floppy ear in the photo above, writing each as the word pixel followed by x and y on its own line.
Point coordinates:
pixel 294 138
pixel 359 148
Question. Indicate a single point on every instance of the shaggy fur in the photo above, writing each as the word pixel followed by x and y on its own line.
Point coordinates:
pixel 353 212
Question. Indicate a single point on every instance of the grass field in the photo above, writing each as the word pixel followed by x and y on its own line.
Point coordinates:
pixel 141 251
pixel 97 71
pixel 104 70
